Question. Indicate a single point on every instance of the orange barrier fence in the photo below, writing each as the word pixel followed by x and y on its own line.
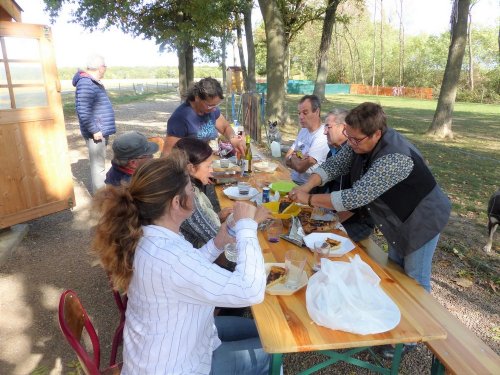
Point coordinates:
pixel 411 92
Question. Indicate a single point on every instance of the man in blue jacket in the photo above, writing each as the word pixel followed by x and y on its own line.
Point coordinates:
pixel 95 115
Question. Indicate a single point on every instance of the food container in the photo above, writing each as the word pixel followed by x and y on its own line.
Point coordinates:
pixel 294 210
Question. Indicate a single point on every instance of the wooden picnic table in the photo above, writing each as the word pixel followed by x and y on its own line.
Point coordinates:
pixel 285 326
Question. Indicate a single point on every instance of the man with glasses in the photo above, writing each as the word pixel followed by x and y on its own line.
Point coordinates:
pixel 391 180
pixel 200 117
pixel 310 148
pixel 95 115
pixel 130 151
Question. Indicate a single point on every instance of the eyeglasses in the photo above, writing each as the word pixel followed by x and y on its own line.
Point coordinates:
pixel 354 141
pixel 210 106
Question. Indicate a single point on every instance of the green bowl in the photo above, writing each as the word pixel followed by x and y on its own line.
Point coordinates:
pixel 283 187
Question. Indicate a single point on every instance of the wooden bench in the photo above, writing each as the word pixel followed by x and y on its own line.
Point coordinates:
pixel 462 352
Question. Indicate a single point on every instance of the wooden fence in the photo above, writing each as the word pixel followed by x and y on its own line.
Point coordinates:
pixel 410 92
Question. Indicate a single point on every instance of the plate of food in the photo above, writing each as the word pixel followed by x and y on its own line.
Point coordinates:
pixel 338 245
pixel 310 225
pixel 276 278
pixel 283 187
pixel 233 193
pixel 265 166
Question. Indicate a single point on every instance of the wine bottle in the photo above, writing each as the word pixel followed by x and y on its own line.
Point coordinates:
pixel 247 160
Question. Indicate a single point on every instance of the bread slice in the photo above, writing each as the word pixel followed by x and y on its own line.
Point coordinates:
pixel 276 275
pixel 334 244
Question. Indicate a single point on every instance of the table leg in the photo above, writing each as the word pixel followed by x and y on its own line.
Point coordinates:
pixel 275 365
pixel 437 367
pixel 398 350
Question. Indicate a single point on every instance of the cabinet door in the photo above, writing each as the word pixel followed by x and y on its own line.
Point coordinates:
pixel 35 177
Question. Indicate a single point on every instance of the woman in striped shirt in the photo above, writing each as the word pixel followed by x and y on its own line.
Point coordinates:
pixel 172 287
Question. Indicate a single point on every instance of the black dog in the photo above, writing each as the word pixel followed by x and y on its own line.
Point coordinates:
pixel 493 219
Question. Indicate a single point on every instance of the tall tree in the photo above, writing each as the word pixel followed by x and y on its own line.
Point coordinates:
pixel 275 61
pixel 326 39
pixel 382 73
pixel 176 25
pixel 374 41
pixel 469 49
pixel 247 19
pixel 442 121
pixel 283 19
pixel 401 44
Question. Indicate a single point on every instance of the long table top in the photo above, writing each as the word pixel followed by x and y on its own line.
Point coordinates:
pixel 285 326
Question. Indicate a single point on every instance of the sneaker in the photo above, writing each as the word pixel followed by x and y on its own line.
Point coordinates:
pixel 387 351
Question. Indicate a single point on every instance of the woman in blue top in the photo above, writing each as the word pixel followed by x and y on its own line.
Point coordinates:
pixel 200 117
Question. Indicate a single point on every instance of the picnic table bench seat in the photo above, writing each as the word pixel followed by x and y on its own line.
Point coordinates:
pixel 462 352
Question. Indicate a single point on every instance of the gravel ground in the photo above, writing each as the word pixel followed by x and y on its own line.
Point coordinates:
pixel 54 256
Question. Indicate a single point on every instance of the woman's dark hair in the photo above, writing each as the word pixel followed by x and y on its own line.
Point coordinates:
pixel 368 118
pixel 197 152
pixel 125 209
pixel 204 89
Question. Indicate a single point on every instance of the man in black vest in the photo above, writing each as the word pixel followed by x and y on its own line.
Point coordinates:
pixel 391 180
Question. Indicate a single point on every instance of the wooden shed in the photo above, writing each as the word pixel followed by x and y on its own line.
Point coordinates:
pixel 36 177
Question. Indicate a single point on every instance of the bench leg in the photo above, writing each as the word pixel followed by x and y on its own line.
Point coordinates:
pixel 398 350
pixel 275 365
pixel 437 367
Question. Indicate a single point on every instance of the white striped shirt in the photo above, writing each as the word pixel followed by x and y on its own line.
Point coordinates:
pixel 169 325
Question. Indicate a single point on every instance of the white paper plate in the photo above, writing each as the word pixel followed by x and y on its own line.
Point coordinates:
pixel 347 244
pixel 264 166
pixel 233 193
pixel 280 289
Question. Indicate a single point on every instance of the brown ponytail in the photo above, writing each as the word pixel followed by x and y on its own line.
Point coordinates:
pixel 125 209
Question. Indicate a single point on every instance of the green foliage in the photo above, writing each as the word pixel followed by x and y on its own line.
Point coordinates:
pixel 350 55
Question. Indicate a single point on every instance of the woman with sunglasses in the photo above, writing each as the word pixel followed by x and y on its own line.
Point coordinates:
pixel 391 179
pixel 172 287
pixel 200 117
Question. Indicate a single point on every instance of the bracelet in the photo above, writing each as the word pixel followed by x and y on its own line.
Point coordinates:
pixel 309 200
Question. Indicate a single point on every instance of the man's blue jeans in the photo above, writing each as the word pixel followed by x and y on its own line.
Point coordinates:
pixel 417 265
pixel 97 160
pixel 241 350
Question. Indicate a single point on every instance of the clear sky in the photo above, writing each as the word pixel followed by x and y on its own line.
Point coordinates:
pixel 73 44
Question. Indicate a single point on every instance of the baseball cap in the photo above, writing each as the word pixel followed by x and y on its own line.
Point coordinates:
pixel 131 145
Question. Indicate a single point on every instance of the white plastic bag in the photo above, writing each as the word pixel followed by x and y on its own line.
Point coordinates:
pixel 347 296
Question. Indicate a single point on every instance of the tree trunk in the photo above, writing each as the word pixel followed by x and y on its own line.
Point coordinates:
pixel 240 52
pixel 374 41
pixel 286 68
pixel 275 41
pixel 360 67
pixel 401 45
pixel 382 77
pixel 223 59
pixel 441 124
pixel 471 62
pixel 183 84
pixel 247 19
pixel 326 39
pixel 189 65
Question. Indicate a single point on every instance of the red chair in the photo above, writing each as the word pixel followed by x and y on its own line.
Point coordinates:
pixel 121 302
pixel 72 320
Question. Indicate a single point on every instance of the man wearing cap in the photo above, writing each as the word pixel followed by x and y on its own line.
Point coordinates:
pixel 95 115
pixel 130 151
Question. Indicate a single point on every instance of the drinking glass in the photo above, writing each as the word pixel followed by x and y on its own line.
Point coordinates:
pixel 294 265
pixel 321 250
pixel 274 230
pixel 243 188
